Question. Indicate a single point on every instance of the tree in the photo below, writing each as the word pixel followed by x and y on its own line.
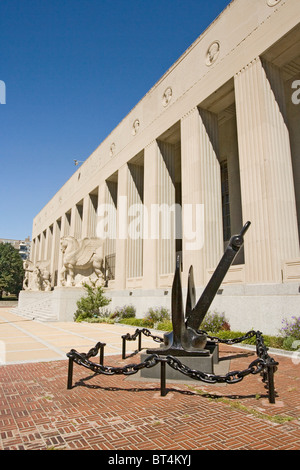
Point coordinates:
pixel 88 307
pixel 11 269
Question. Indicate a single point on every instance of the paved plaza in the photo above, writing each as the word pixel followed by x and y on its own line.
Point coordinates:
pixel 119 412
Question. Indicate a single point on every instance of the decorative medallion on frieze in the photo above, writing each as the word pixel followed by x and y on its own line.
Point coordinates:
pixel 167 96
pixel 212 53
pixel 135 127
pixel 112 149
pixel 273 3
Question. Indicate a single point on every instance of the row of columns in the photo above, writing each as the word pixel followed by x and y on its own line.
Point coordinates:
pixel 266 181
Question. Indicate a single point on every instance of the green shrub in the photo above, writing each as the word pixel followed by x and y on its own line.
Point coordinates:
pixel 140 322
pixel 214 322
pixel 269 341
pixel 287 343
pixel 157 315
pixel 128 311
pixel 227 334
pixel 273 341
pixel 89 306
pixel 165 325
pixel 100 320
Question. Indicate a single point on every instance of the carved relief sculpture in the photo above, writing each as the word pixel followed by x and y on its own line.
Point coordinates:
pixel 167 96
pixel 37 276
pixel 273 3
pixel 212 53
pixel 135 127
pixel 81 260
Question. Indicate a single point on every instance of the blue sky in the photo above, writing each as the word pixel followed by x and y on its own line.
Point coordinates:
pixel 73 69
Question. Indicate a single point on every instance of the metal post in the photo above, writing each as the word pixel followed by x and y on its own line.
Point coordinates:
pixel 163 390
pixel 123 348
pixel 271 387
pixel 140 341
pixel 70 373
pixel 101 355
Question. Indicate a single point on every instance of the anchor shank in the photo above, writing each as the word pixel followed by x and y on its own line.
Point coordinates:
pixel 177 307
pixel 197 315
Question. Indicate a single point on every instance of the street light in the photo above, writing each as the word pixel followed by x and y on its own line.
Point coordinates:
pixel 76 162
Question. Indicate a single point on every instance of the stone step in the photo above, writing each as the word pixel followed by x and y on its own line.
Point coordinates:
pixel 41 315
pixel 38 306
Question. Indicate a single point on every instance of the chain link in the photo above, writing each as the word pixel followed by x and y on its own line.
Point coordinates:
pixel 248 335
pixel 259 365
pixel 144 331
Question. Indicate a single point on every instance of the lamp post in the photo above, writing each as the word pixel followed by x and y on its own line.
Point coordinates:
pixel 76 162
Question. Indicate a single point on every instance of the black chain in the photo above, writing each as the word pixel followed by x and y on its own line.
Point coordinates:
pixel 129 369
pixel 248 335
pixel 259 365
pixel 144 331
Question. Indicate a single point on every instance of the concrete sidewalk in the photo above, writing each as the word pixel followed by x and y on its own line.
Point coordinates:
pixel 23 340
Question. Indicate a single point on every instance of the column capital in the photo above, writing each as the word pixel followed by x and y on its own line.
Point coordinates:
pixel 189 113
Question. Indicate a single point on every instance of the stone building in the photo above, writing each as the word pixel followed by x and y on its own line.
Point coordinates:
pixel 213 144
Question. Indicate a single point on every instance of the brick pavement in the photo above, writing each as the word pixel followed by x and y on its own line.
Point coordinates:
pixel 122 413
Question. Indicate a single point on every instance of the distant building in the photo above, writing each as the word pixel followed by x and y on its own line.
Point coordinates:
pixel 23 246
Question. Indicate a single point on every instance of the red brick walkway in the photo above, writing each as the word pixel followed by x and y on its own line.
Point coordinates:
pixel 118 413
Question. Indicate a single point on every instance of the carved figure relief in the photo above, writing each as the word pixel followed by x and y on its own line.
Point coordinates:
pixel 82 259
pixel 37 276
pixel 167 96
pixel 135 127
pixel 112 149
pixel 212 53
pixel 272 3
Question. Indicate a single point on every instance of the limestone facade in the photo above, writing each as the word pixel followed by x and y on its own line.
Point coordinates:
pixel 216 143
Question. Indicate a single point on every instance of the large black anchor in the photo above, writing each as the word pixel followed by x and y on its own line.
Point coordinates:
pixel 185 339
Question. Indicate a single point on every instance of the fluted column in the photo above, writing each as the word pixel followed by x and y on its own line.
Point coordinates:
pixel 72 222
pixel 67 222
pixel 64 227
pixel 37 248
pixel 49 242
pixel 76 220
pixel 108 224
pixel 122 229
pixel 89 223
pixel 85 224
pixel 191 194
pixel 150 252
pixel 267 187
pixel 135 214
pixel 43 245
pixel 166 201
pixel 55 252
pixel 210 188
pixel 201 193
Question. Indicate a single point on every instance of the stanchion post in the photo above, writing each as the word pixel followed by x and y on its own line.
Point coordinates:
pixel 163 390
pixel 140 341
pixel 101 359
pixel 123 348
pixel 271 387
pixel 70 373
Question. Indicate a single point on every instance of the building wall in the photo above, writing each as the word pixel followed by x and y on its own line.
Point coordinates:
pixel 218 132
